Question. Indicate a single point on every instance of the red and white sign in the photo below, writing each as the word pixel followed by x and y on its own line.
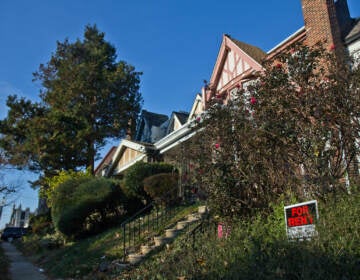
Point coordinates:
pixel 300 219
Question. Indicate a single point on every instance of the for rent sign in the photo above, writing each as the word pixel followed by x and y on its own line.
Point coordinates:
pixel 300 219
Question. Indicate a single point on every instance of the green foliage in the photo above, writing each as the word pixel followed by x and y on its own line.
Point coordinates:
pixel 86 205
pixel 134 176
pixel 162 188
pixel 86 97
pixel 42 224
pixel 290 130
pixel 82 258
pixel 53 182
pixel 257 248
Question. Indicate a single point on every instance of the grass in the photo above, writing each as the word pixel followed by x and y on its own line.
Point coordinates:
pixel 258 249
pixel 83 257
pixel 4 265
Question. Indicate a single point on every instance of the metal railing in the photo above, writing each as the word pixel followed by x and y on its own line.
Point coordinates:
pixel 145 223
pixel 207 227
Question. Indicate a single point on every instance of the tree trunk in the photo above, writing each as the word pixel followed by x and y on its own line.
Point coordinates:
pixel 91 156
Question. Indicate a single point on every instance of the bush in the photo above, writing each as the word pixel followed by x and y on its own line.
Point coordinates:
pixel 42 224
pixel 162 188
pixel 83 206
pixel 65 196
pixel 288 130
pixel 53 182
pixel 134 176
pixel 257 248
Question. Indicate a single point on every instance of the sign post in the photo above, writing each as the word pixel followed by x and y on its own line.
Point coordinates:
pixel 300 220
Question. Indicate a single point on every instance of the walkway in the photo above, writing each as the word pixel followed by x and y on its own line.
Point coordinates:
pixel 20 268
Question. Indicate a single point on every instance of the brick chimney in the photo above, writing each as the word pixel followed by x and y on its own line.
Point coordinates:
pixel 321 23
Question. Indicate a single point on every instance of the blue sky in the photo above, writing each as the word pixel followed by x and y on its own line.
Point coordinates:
pixel 174 43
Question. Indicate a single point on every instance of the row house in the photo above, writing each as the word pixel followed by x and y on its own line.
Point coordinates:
pixel 237 63
pixel 154 134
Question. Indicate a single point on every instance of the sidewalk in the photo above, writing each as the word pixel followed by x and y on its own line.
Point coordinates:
pixel 20 268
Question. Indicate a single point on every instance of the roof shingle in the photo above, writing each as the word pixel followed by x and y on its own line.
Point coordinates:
pixel 256 53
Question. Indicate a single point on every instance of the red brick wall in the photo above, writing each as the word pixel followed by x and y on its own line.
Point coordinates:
pixel 321 23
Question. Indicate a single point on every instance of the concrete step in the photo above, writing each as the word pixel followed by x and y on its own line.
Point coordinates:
pixel 182 224
pixel 135 258
pixel 160 240
pixel 146 249
pixel 171 233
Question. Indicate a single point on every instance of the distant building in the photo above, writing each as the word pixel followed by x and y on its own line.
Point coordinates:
pixel 19 217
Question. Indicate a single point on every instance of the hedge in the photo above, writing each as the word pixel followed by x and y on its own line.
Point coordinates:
pixel 162 188
pixel 86 206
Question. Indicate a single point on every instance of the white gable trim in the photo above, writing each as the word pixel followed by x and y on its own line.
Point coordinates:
pixel 116 157
pixel 126 166
pixel 297 32
pixel 169 139
pixel 197 102
pixel 228 46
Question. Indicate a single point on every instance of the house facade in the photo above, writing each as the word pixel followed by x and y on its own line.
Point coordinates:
pixel 325 21
pixel 154 134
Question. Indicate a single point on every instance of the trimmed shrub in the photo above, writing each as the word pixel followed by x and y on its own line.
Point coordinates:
pixel 134 176
pixel 42 224
pixel 162 188
pixel 53 182
pixel 83 206
pixel 64 196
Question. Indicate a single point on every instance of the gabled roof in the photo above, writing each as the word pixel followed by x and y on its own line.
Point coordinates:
pixel 197 102
pixel 179 117
pixel 124 144
pixel 247 57
pixel 153 118
pixel 354 32
pixel 253 51
pixel 182 116
pixel 146 122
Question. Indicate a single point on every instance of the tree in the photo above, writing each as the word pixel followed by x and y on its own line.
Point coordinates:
pixel 86 98
pixel 5 189
pixel 83 205
pixel 293 130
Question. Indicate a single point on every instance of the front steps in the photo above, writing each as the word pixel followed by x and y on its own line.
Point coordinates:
pixel 167 237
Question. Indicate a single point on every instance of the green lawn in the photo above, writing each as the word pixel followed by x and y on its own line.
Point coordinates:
pixel 257 248
pixel 83 257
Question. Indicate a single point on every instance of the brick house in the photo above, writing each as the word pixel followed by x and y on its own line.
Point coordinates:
pixel 237 63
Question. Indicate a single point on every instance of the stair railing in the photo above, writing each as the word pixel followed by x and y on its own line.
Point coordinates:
pixel 144 222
